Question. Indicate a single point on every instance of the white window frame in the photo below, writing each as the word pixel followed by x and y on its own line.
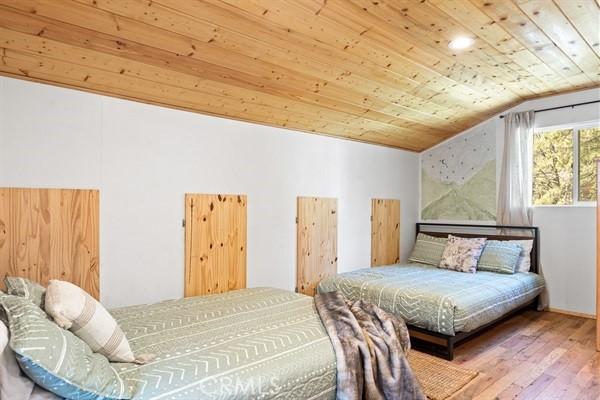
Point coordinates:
pixel 575 127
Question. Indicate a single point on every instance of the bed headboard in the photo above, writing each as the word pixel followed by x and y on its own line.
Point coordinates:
pixel 492 232
pixel 50 234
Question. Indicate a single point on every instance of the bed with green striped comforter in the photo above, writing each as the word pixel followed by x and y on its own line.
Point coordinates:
pixel 437 299
pixel 260 343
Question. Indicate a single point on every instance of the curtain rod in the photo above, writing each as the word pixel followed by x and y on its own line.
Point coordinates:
pixel 559 107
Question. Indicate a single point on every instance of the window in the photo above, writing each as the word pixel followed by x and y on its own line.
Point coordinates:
pixel 564 165
pixel 589 153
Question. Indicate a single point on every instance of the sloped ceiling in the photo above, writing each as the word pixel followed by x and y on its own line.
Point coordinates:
pixel 377 71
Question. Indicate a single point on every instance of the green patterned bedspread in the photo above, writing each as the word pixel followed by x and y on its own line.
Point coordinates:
pixel 255 343
pixel 437 299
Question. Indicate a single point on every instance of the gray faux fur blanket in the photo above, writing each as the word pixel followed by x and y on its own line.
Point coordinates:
pixel 370 348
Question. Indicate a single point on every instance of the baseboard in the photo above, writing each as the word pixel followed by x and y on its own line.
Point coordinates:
pixel 573 313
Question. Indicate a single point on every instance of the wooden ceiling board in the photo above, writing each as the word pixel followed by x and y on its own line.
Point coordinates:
pixel 509 16
pixel 370 43
pixel 550 19
pixel 478 23
pixel 586 17
pixel 405 106
pixel 124 48
pixel 413 17
pixel 373 71
pixel 230 34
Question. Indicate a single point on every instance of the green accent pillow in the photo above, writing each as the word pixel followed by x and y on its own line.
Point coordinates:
pixel 24 287
pixel 499 256
pixel 56 359
pixel 428 249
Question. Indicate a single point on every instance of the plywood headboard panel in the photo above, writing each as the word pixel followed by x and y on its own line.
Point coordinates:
pixel 316 247
pixel 50 234
pixel 385 232
pixel 215 243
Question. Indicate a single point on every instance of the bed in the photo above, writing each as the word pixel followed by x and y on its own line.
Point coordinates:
pixel 444 307
pixel 260 341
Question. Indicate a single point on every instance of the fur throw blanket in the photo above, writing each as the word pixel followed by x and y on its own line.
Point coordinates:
pixel 370 347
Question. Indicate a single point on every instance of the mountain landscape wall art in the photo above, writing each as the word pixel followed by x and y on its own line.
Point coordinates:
pixel 458 179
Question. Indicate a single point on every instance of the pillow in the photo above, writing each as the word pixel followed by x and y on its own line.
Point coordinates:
pixel 428 249
pixel 499 256
pixel 56 359
pixel 74 309
pixel 524 263
pixel 24 287
pixel 462 254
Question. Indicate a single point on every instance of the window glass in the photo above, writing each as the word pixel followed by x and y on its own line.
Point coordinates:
pixel 553 167
pixel 589 153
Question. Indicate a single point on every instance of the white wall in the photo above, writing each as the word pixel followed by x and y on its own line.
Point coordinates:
pixel 568 233
pixel 144 158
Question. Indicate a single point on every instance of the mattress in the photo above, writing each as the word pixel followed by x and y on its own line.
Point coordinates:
pixel 258 343
pixel 436 299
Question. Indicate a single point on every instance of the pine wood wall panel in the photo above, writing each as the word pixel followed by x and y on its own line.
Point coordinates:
pixel 373 71
pixel 215 243
pixel 385 232
pixel 316 254
pixel 50 234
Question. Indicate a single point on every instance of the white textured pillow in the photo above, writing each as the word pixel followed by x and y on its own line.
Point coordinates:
pixel 524 263
pixel 74 309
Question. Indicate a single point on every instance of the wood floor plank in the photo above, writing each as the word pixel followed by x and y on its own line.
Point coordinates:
pixel 535 355
pixel 535 388
pixel 589 379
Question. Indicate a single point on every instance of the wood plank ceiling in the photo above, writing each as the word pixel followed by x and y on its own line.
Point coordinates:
pixel 377 71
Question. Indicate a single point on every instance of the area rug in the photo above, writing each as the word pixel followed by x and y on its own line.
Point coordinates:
pixel 439 378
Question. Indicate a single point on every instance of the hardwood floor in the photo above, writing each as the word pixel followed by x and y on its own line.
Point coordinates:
pixel 536 355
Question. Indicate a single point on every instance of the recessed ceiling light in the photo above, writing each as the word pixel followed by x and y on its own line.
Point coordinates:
pixel 460 43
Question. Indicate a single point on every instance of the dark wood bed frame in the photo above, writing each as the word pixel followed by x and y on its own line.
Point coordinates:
pixel 443 345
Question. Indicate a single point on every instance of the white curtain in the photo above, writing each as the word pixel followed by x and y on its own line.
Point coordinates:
pixel 514 197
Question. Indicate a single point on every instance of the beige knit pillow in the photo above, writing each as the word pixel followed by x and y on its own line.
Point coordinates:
pixel 74 309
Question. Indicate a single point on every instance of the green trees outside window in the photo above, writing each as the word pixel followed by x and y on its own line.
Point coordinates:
pixel 565 159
